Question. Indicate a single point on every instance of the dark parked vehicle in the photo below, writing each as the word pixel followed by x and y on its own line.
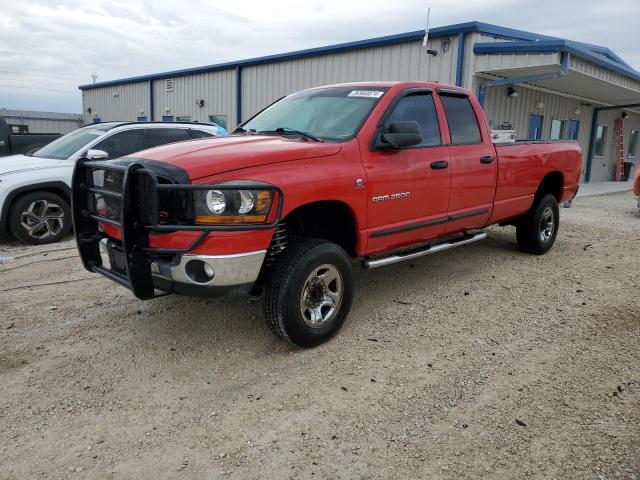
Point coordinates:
pixel 16 143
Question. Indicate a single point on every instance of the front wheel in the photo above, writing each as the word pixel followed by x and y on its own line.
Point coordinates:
pixel 309 294
pixel 37 218
pixel 538 229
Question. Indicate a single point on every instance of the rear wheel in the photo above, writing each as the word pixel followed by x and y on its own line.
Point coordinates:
pixel 40 217
pixel 538 229
pixel 309 294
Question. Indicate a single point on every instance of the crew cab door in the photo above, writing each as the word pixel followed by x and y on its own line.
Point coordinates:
pixel 474 166
pixel 408 188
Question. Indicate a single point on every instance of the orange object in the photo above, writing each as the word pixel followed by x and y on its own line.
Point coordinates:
pixel 619 136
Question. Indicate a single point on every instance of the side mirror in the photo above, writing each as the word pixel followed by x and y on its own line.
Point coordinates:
pixel 400 135
pixel 96 155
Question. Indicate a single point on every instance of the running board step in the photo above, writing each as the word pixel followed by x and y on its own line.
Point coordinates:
pixel 437 247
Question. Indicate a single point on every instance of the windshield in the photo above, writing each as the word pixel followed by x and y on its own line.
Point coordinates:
pixel 332 113
pixel 65 146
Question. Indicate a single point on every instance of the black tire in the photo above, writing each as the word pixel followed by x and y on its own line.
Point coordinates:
pixel 538 229
pixel 40 205
pixel 303 268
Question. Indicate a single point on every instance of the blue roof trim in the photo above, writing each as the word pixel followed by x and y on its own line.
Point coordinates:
pixel 595 52
pixel 574 48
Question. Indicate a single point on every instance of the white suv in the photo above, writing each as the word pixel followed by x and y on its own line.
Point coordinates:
pixel 35 189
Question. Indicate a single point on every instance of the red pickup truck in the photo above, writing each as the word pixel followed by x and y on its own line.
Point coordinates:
pixel 380 171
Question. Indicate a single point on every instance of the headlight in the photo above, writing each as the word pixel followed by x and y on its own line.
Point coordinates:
pixel 233 206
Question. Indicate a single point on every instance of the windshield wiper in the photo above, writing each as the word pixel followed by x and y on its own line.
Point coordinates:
pixel 291 131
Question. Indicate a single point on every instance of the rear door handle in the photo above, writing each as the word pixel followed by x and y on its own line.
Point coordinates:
pixel 487 159
pixel 439 165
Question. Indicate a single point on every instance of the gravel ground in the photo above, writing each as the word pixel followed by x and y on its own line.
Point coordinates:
pixel 478 362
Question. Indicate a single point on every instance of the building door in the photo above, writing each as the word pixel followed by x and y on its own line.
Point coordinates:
pixel 408 189
pixel 574 128
pixel 535 126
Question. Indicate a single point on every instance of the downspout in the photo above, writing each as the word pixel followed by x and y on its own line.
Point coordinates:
pixel 151 113
pixel 460 59
pixel 238 95
pixel 592 145
pixel 564 68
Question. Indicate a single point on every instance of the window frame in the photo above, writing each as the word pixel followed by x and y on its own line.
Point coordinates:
pixel 633 154
pixel 459 94
pixel 563 129
pixel 605 130
pixel 384 119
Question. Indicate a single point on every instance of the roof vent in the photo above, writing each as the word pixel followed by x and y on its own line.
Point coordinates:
pixel 168 84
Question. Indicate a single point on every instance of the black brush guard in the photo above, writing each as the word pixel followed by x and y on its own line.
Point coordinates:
pixel 134 245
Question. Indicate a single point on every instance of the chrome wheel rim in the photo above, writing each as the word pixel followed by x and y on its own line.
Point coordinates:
pixel 321 296
pixel 42 219
pixel 547 225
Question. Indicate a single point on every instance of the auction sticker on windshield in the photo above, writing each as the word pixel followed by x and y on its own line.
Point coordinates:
pixel 366 93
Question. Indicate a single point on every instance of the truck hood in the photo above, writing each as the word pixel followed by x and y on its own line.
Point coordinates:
pixel 212 156
pixel 23 163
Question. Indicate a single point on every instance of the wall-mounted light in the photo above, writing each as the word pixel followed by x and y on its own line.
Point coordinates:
pixel 624 115
pixel 512 93
pixel 89 110
pixel 539 105
pixel 167 109
pixel 200 103
pixel 141 111
pixel 116 94
pixel 577 112
pixel 445 44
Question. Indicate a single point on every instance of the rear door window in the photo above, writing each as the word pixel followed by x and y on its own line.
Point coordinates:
pixel 462 121
pixel 122 143
pixel 160 136
pixel 421 109
pixel 200 133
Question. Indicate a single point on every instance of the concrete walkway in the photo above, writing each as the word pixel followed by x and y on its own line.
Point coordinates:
pixel 602 188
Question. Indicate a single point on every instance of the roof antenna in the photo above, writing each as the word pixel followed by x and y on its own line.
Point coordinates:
pixel 94 77
pixel 426 35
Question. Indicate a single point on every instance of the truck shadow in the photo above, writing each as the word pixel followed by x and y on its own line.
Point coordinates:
pixel 236 323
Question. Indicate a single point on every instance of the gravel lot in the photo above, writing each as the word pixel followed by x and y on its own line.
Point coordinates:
pixel 478 362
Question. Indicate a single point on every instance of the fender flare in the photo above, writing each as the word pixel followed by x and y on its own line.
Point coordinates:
pixel 4 214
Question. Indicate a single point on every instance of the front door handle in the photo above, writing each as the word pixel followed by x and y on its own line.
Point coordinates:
pixel 487 159
pixel 439 165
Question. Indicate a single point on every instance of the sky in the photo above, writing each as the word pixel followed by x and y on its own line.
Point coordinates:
pixel 49 47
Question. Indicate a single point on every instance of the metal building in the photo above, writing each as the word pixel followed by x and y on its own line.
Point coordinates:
pixel 543 87
pixel 22 121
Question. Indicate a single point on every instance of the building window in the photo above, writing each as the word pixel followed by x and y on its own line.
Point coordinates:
pixel 601 137
pixel 97 120
pixel 142 119
pixel 184 118
pixel 633 144
pixel 220 120
pixel 167 118
pixel 557 129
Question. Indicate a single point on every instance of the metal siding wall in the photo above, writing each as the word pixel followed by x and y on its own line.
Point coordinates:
pixel 602 73
pixel 43 122
pixel 468 79
pixel 132 97
pixel 263 84
pixel 501 108
pixel 217 89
